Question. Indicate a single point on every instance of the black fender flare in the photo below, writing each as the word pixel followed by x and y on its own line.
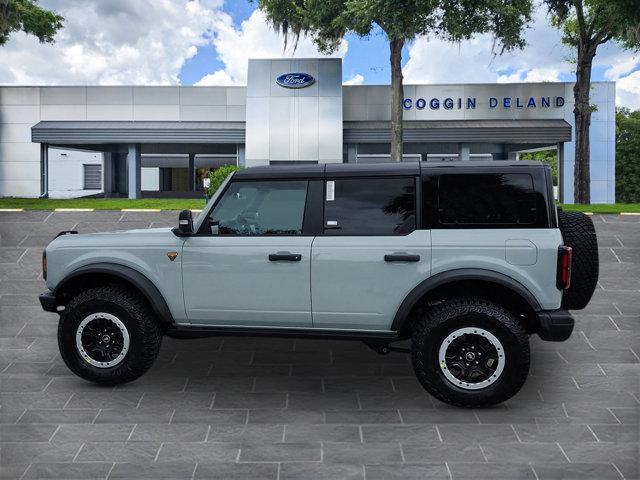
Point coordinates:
pixel 130 275
pixel 451 276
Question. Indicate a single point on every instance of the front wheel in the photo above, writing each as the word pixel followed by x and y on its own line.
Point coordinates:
pixel 470 352
pixel 108 335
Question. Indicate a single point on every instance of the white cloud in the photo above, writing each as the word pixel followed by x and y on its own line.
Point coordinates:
pixel 357 79
pixel 115 42
pixel 628 91
pixel 432 60
pixel 623 64
pixel 253 39
pixel 217 78
pixel 531 75
pixel 545 58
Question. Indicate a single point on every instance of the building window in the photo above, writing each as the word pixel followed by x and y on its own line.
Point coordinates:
pixel 260 208
pixel 92 175
pixel 490 199
pixel 370 206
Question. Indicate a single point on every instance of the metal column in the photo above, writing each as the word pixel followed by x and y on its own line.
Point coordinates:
pixel 44 170
pixel 240 154
pixel 134 170
pixel 464 151
pixel 191 181
pixel 560 158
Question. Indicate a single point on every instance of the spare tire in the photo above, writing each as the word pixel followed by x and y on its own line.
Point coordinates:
pixel 579 233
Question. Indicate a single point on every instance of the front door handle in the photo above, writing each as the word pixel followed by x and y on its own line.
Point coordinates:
pixel 285 257
pixel 401 257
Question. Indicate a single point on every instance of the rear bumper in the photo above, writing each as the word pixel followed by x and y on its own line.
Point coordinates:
pixel 555 325
pixel 48 301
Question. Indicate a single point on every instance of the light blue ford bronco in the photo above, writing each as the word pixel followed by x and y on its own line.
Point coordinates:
pixel 465 259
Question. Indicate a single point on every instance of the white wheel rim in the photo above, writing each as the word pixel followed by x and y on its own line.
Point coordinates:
pixel 481 334
pixel 115 325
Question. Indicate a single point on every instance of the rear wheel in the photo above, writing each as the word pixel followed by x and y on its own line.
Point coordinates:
pixel 470 352
pixel 108 335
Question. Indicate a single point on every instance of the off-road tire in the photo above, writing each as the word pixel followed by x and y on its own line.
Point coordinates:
pixel 439 321
pixel 579 233
pixel 144 332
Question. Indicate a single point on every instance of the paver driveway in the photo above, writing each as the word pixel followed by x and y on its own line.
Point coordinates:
pixel 272 408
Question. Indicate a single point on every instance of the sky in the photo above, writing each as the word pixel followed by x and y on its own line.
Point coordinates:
pixel 208 42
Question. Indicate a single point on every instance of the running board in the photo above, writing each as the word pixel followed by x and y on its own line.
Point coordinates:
pixel 185 331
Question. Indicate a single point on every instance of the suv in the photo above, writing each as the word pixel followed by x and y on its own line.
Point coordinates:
pixel 464 259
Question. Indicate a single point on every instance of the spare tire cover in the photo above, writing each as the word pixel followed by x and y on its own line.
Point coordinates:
pixel 579 233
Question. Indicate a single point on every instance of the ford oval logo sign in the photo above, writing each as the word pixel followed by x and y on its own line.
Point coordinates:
pixel 295 80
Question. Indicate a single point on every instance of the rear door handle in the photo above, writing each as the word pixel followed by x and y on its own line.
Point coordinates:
pixel 285 257
pixel 401 257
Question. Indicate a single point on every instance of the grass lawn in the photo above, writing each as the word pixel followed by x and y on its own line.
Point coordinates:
pixel 103 203
pixel 197 204
pixel 600 208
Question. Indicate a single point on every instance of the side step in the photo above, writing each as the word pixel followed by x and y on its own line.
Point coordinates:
pixel 369 337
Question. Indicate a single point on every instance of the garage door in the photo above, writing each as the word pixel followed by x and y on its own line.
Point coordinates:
pixel 92 177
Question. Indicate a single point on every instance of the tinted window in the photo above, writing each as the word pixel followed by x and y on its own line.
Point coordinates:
pixel 486 199
pixel 260 208
pixel 370 206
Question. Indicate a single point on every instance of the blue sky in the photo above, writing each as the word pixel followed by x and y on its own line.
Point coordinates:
pixel 366 56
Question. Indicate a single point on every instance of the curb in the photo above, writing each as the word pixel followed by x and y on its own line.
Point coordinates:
pixel 73 209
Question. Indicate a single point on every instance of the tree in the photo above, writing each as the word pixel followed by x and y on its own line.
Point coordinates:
pixel 550 157
pixel 28 17
pixel 587 24
pixel 627 156
pixel 328 21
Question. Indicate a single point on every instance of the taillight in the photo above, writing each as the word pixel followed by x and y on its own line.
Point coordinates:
pixel 44 264
pixel 565 259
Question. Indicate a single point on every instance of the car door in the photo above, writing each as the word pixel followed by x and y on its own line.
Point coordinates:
pixel 370 256
pixel 250 263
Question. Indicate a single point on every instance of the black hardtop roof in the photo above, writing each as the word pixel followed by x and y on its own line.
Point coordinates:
pixel 373 169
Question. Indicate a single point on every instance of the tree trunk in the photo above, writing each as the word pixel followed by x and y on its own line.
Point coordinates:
pixel 397 97
pixel 582 114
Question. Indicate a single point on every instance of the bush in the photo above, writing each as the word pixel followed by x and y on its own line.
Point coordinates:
pixel 627 156
pixel 218 176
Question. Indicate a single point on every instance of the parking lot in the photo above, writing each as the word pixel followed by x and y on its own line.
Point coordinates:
pixel 309 409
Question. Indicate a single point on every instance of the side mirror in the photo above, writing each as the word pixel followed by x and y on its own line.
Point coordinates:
pixel 185 224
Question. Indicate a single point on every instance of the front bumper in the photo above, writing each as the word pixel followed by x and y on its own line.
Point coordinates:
pixel 555 325
pixel 48 301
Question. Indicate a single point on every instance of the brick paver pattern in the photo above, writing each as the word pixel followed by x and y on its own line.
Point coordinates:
pixel 283 408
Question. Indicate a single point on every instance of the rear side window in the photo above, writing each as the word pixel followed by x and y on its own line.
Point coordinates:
pixel 370 206
pixel 506 199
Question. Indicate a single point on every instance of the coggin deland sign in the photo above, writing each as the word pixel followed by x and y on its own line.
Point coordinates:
pixel 469 103
pixel 302 80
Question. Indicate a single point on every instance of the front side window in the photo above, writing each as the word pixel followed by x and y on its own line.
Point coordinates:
pixel 260 208
pixel 370 206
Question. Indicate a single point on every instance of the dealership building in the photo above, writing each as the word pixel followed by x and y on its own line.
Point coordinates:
pixel 150 141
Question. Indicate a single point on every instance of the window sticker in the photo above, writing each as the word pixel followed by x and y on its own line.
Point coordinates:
pixel 331 191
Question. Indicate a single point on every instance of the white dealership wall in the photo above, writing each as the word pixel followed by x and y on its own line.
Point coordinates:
pixel 294 124
pixel 284 124
pixel 66 171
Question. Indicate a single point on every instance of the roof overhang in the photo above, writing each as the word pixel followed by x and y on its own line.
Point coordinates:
pixel 437 131
pixel 70 133
pixel 109 132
